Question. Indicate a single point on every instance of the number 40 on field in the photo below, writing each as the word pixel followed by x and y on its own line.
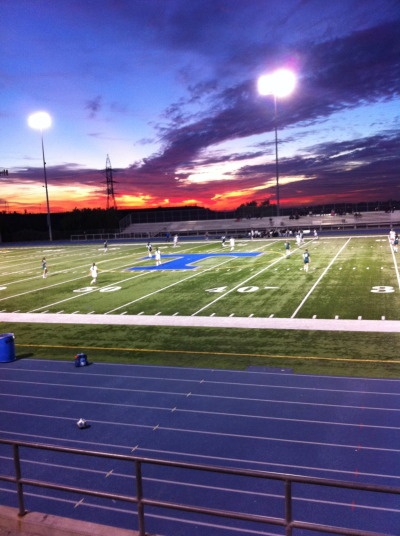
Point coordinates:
pixel 240 289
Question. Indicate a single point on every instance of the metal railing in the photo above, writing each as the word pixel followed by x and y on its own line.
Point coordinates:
pixel 141 501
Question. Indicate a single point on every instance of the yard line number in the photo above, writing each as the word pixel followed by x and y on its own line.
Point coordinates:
pixel 382 289
pixel 378 289
pixel 90 289
pixel 243 290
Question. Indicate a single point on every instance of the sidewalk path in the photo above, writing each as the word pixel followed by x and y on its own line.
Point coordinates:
pixel 309 324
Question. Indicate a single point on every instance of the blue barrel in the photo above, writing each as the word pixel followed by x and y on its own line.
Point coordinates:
pixel 7 348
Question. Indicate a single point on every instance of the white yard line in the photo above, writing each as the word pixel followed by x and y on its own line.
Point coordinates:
pixel 280 259
pixel 40 289
pixel 319 279
pixel 84 293
pixel 197 273
pixel 237 286
pixel 395 264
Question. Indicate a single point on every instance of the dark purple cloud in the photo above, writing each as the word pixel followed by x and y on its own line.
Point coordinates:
pixel 335 75
pixel 220 47
pixel 94 106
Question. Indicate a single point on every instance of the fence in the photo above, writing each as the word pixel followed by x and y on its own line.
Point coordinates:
pixel 141 501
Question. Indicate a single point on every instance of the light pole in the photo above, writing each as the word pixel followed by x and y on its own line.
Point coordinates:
pixel 279 84
pixel 41 121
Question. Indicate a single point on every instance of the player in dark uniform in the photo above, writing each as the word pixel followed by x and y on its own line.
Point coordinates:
pixel 44 267
pixel 306 260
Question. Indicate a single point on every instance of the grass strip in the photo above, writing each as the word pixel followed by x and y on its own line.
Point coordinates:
pixel 313 352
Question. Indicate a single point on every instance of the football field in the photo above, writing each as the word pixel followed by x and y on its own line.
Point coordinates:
pixel 349 278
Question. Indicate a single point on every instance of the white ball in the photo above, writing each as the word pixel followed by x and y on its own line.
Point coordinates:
pixel 81 423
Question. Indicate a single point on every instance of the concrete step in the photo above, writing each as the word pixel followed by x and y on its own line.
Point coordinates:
pixel 38 524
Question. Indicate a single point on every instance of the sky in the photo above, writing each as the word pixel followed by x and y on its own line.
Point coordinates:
pixel 167 89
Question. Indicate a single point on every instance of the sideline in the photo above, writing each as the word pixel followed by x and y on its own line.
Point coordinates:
pixel 309 324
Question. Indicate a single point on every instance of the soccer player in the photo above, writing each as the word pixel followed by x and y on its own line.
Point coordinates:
pixel 232 243
pixel 44 268
pixel 306 260
pixel 287 248
pixel 392 236
pixel 175 241
pixel 158 257
pixel 150 249
pixel 105 246
pixel 93 273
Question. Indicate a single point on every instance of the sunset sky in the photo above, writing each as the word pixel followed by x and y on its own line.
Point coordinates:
pixel 168 89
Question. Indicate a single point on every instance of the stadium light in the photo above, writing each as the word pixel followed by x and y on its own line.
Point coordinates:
pixel 41 121
pixel 279 84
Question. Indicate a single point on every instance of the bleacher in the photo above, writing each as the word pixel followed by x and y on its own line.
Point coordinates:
pixel 240 228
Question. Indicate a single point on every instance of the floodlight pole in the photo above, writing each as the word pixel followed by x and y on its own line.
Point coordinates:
pixel 276 158
pixel 41 121
pixel 278 84
pixel 47 191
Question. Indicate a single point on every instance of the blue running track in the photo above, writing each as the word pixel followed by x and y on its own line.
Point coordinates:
pixel 266 419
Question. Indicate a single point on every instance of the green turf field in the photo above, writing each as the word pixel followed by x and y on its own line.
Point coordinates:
pixel 352 278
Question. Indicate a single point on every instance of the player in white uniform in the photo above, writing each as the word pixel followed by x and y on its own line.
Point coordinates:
pixel 158 257
pixel 392 236
pixel 93 273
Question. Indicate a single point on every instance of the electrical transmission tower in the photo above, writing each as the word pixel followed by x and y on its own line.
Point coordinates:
pixel 111 203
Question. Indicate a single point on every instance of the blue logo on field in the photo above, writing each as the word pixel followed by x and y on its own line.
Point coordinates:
pixel 186 261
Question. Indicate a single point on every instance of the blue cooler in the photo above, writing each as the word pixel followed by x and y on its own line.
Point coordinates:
pixel 81 360
pixel 7 348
